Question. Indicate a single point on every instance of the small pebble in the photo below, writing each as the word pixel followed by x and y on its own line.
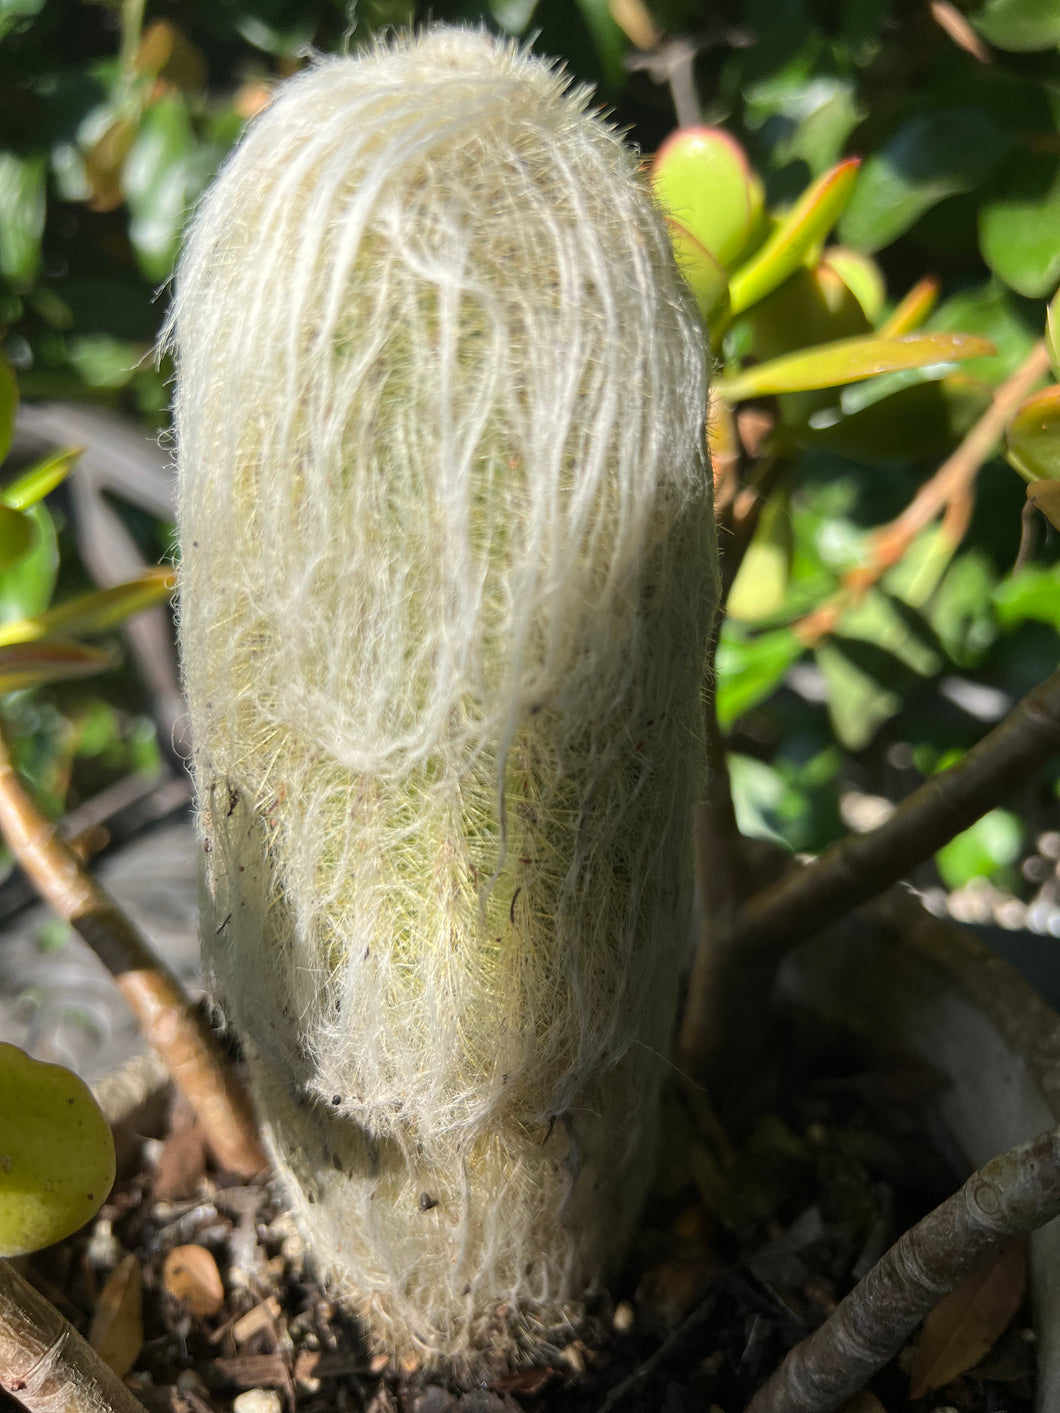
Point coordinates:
pixel 258 1400
pixel 623 1318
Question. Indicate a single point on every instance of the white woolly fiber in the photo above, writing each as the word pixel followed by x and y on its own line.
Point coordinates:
pixel 447 579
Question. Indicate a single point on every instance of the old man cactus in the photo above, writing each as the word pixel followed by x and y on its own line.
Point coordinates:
pixel 447 581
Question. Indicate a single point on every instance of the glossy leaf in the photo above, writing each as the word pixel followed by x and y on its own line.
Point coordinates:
pixel 929 157
pixel 56 1153
pixel 36 664
pixel 33 485
pixel 1034 436
pixel 1019 25
pixel 704 182
pixel 812 307
pixel 22 207
pixel 751 669
pixel 18 535
pixel 8 405
pixel 93 613
pixel 797 237
pixel 992 842
pixel 761 585
pixel 862 277
pixel 704 276
pixel 157 179
pixel 848 361
pixel 26 589
pixel 1018 226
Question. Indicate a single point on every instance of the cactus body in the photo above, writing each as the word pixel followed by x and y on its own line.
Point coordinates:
pixel 447 578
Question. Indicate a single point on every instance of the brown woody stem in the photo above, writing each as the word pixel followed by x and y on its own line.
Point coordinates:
pixel 1013 1194
pixel 45 1364
pixel 167 1018
pixel 733 974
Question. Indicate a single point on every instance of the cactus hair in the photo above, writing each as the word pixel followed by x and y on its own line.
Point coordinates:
pixel 447 579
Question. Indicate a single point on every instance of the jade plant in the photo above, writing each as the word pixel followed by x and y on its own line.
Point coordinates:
pixel 447 584
pixel 56 1153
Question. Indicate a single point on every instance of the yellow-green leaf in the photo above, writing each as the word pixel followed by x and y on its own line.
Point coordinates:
pixel 56 1153
pixel 910 312
pixel 1046 496
pixel 703 275
pixel 36 664
pixel 43 477
pixel 832 365
pixel 1034 436
pixel 797 238
pixel 1052 333
pixel 93 613
pixel 703 180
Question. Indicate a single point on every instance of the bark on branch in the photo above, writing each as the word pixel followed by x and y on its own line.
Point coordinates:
pixel 734 969
pixel 1013 1194
pixel 169 1021
pixel 45 1364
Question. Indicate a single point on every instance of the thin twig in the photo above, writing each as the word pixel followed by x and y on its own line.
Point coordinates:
pixel 166 1016
pixel 45 1364
pixel 951 482
pixel 728 985
pixel 1011 1195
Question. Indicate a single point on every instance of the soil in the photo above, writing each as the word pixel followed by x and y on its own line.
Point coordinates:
pixel 198 1289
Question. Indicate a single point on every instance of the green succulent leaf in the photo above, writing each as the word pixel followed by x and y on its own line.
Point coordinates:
pixel 1052 333
pixel 18 535
pixel 1018 226
pixel 704 182
pixel 40 480
pixel 929 157
pixel 848 361
pixel 56 1153
pixel 1034 436
pixel 93 613
pixel 1046 496
pixel 796 239
pixel 26 588
pixel 1019 25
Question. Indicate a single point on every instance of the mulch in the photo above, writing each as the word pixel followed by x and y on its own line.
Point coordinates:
pixel 752 1233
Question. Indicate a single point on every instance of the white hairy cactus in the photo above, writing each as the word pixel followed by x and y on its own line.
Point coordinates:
pixel 447 579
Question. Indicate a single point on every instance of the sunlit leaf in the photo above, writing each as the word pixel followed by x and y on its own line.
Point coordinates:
pixel 1034 436
pixel 18 535
pixel 1018 225
pixel 22 207
pixel 158 183
pixel 1052 333
pixel 797 237
pixel 42 478
pixel 93 613
pixel 1032 594
pixel 751 669
pixel 36 664
pixel 909 313
pixel 848 361
pixel 929 157
pixel 703 180
pixel 1019 24
pixel 992 842
pixel 761 584
pixel 861 275
pixel 26 588
pixel 704 276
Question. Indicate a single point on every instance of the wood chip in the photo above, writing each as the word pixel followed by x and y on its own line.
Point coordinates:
pixel 191 1276
pixel 117 1329
pixel 964 1326
pixel 262 1317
